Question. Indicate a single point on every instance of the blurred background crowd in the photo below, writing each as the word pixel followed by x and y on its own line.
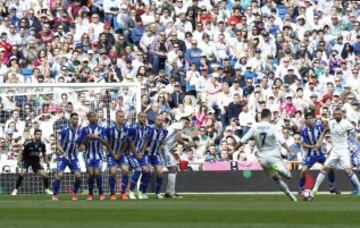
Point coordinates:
pixel 218 62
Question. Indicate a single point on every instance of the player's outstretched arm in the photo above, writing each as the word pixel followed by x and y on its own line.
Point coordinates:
pixel 321 137
pixel 289 151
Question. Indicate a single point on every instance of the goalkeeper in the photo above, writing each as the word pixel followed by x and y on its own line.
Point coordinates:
pixel 30 157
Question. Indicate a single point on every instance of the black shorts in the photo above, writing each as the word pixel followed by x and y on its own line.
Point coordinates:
pixel 35 165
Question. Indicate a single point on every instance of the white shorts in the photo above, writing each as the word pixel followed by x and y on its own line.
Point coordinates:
pixel 168 158
pixel 340 158
pixel 273 165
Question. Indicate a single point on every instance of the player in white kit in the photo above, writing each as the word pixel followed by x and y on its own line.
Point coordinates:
pixel 340 155
pixel 174 135
pixel 268 140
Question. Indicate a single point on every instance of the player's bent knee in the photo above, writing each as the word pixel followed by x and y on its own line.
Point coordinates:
pixel 112 172
pixel 172 169
pixel 77 175
pixel 145 170
pixel 60 176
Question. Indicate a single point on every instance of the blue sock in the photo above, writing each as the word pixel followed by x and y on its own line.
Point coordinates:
pixel 134 180
pixel 159 181
pixel 99 184
pixel 76 185
pixel 331 177
pixel 145 179
pixel 302 183
pixel 112 183
pixel 91 184
pixel 124 183
pixel 56 186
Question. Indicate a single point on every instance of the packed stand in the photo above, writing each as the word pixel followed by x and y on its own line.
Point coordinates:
pixel 218 62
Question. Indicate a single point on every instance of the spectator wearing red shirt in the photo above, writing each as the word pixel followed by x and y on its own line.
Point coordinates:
pixel 236 17
pixel 46 34
pixel 315 104
pixel 6 46
pixel 204 16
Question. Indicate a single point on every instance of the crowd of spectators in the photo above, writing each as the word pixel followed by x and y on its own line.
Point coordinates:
pixel 218 62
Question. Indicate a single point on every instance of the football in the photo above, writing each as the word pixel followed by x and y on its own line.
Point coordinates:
pixel 305 195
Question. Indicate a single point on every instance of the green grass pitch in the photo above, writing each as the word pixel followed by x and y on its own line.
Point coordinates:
pixel 207 211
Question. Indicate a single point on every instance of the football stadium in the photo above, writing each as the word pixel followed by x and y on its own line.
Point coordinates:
pixel 179 113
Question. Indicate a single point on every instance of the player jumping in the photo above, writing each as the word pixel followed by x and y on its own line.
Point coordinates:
pixel 267 139
pixel 67 157
pixel 340 155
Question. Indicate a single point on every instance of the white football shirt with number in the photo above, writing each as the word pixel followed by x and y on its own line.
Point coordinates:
pixel 339 133
pixel 267 137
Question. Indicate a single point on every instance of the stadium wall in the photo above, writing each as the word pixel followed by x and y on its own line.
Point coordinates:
pixel 214 181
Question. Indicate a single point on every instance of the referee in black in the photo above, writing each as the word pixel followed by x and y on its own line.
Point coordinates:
pixel 31 151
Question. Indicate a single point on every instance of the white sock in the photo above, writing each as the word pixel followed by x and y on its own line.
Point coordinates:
pixel 318 182
pixel 171 183
pixel 354 179
pixel 283 186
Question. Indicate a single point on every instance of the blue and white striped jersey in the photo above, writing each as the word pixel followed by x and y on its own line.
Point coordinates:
pixel 93 148
pixel 310 136
pixel 138 135
pixel 117 136
pixel 157 137
pixel 67 139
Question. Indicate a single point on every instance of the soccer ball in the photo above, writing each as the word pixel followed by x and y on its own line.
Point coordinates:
pixel 305 195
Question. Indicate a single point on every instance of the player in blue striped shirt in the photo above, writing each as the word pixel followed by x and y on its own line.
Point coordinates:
pixel 310 135
pixel 139 138
pixel 67 156
pixel 117 135
pixel 156 143
pixel 93 137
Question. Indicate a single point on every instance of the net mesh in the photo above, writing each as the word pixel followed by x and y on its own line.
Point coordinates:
pixel 25 108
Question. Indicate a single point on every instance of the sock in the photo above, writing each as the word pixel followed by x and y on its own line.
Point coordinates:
pixel 134 180
pixel 159 181
pixel 112 183
pixel 283 186
pixel 171 183
pixel 124 183
pixel 354 181
pixel 302 183
pixel 56 186
pixel 145 179
pixel 331 177
pixel 91 184
pixel 76 185
pixel 99 184
pixel 46 182
pixel 318 182
pixel 19 181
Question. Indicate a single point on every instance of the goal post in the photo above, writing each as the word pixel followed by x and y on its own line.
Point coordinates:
pixel 47 106
pixel 35 93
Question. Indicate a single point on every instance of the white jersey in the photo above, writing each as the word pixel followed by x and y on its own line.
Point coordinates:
pixel 172 130
pixel 339 133
pixel 267 137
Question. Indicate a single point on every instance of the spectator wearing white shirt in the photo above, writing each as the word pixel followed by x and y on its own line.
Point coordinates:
pixel 246 119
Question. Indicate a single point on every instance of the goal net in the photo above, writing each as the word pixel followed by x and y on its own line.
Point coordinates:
pixel 25 107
